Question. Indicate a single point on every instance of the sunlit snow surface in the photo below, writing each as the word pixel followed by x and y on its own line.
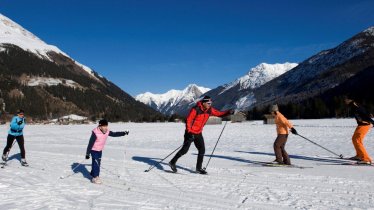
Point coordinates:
pixel 234 182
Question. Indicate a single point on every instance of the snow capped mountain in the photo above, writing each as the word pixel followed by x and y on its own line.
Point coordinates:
pixel 239 93
pixel 259 75
pixel 171 101
pixel 320 72
pixel 12 33
pixel 369 31
pixel 41 75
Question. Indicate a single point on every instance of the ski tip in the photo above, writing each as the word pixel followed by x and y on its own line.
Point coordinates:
pixel 62 177
pixel 146 170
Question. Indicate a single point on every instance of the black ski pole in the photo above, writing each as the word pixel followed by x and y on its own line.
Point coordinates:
pixel 340 156
pixel 216 145
pixel 152 166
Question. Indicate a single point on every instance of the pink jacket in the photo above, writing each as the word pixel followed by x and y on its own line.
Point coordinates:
pixel 100 139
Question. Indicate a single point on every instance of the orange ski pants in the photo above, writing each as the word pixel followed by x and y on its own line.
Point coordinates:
pixel 358 142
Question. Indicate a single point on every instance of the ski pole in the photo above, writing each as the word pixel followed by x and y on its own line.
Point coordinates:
pixel 150 168
pixel 215 145
pixel 340 156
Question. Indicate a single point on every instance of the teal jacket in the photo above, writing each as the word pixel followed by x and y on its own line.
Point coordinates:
pixel 16 126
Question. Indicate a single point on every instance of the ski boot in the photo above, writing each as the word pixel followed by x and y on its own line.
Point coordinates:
pixel 201 171
pixel 96 180
pixel 354 158
pixel 173 167
pixel 24 163
pixel 4 157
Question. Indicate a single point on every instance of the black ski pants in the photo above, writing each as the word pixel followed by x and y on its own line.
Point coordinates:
pixel 198 140
pixel 20 141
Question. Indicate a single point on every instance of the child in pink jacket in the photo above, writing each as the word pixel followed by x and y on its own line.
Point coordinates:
pixel 96 145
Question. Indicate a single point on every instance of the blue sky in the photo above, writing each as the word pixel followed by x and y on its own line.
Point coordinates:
pixel 167 44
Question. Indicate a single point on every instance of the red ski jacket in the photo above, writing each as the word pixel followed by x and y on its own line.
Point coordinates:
pixel 197 117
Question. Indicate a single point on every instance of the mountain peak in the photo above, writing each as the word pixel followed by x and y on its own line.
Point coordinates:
pixel 260 74
pixel 369 31
pixel 57 82
pixel 168 102
pixel 14 34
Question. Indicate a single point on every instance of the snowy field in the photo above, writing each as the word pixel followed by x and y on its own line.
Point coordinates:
pixel 235 181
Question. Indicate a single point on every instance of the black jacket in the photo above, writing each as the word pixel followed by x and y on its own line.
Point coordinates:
pixel 361 115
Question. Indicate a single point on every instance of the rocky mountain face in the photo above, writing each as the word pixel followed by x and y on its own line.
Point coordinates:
pixel 317 86
pixel 321 72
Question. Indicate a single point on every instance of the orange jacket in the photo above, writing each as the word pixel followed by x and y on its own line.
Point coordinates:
pixel 197 117
pixel 283 125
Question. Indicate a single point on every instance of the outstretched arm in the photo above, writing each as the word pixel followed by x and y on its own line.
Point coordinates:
pixel 217 113
pixel 118 134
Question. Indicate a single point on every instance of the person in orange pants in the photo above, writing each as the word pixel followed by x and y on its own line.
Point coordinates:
pixel 363 126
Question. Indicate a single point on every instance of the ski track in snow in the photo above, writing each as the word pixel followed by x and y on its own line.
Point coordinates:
pixel 234 180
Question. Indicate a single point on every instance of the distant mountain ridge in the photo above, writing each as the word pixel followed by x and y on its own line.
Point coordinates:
pixel 173 101
pixel 179 102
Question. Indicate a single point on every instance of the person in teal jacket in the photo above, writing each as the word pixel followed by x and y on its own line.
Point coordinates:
pixel 16 132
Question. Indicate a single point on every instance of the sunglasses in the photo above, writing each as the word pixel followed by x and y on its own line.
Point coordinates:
pixel 209 103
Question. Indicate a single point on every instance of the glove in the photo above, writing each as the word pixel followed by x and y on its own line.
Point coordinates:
pixel 293 130
pixel 231 111
pixel 20 122
pixel 87 156
pixel 123 133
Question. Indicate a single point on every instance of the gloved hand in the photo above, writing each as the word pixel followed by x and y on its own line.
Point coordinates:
pixel 231 111
pixel 87 156
pixel 123 133
pixel 293 130
pixel 20 122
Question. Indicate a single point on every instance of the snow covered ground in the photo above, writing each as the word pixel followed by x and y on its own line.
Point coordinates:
pixel 234 180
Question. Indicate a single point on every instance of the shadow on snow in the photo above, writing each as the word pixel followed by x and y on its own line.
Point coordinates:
pixel 154 161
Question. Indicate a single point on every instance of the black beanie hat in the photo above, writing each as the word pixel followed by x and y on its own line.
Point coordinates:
pixel 206 99
pixel 103 122
pixel 19 111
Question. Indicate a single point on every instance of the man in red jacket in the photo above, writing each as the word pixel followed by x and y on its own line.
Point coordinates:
pixel 195 122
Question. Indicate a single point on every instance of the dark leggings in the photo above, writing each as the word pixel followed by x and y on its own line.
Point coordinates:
pixel 199 144
pixel 21 144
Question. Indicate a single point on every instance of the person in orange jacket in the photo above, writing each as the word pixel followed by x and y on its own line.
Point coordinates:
pixel 363 126
pixel 195 123
pixel 282 126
